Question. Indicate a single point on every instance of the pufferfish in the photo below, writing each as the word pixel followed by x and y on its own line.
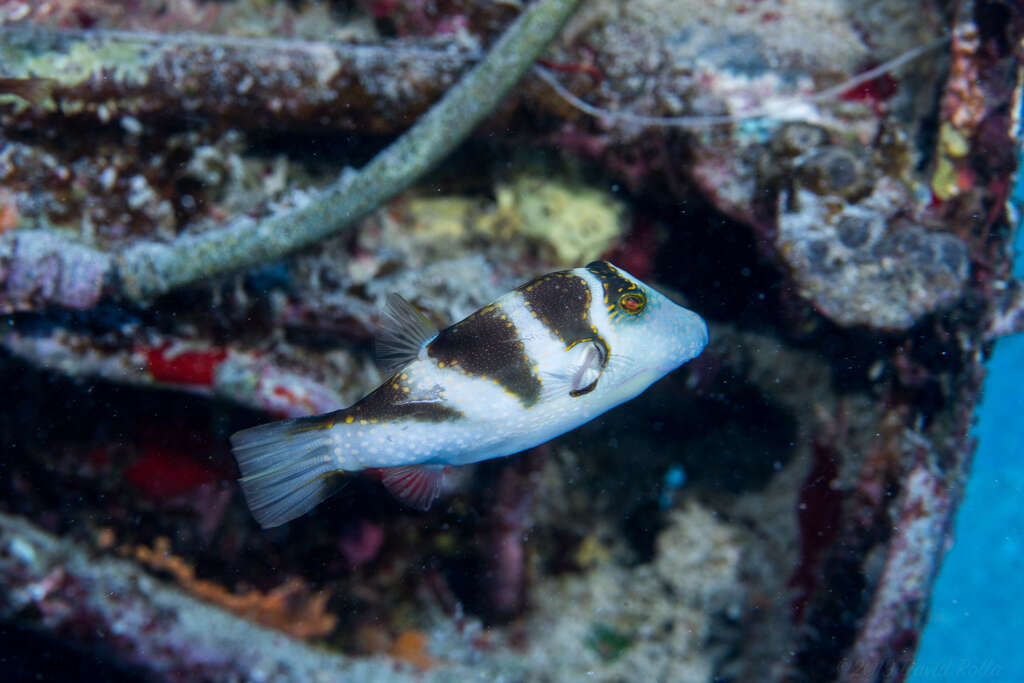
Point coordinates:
pixel 539 361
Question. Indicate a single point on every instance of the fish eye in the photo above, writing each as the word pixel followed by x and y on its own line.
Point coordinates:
pixel 632 302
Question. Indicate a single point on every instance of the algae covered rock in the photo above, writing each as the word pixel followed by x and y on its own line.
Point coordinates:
pixel 575 224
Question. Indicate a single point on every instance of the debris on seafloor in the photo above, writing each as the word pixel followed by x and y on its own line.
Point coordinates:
pixel 823 181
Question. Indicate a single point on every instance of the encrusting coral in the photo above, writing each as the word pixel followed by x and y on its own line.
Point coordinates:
pixel 290 607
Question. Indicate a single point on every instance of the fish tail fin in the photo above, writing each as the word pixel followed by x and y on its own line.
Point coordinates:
pixel 286 468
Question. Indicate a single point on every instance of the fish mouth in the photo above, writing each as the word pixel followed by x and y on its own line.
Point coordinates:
pixel 657 371
pixel 653 372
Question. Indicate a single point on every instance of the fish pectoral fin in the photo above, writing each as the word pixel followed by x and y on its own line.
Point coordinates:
pixel 583 364
pixel 404 331
pixel 414 485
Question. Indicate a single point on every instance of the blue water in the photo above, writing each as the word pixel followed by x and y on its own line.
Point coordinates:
pixel 974 631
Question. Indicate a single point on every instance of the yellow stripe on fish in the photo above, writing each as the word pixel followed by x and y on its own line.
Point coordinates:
pixel 540 361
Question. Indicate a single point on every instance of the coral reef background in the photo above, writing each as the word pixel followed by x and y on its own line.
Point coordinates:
pixel 825 182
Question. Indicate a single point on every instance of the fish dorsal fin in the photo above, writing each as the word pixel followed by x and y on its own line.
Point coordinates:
pixel 403 333
pixel 414 485
pixel 583 364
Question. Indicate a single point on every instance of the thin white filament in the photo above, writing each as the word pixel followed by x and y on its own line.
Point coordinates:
pixel 695 122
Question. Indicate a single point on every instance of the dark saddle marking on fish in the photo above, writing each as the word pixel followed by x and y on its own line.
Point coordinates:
pixel 391 401
pixel 487 344
pixel 612 281
pixel 562 302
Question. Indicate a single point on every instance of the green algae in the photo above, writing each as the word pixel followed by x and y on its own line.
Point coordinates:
pixel 607 642
pixel 83 60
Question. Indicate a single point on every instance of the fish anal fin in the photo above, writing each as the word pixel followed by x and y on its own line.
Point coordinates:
pixel 414 485
pixel 403 333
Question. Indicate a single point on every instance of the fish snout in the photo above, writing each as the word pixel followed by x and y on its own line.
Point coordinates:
pixel 690 336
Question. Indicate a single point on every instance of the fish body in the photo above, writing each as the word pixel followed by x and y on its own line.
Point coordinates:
pixel 539 361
